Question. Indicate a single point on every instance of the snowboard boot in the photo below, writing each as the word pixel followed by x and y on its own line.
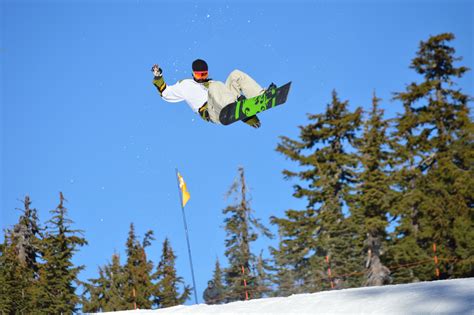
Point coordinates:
pixel 271 86
pixel 270 90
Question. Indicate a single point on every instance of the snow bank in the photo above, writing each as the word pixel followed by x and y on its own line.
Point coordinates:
pixel 437 297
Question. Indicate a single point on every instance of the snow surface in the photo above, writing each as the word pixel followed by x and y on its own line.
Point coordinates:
pixel 437 297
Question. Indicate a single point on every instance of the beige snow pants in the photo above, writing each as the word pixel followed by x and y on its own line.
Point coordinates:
pixel 220 94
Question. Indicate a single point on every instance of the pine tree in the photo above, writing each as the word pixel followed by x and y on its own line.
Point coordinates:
pixel 12 279
pixel 7 286
pixel 374 195
pixel 217 278
pixel 285 272
pixel 106 293
pixel 434 150
pixel 139 288
pixel 461 184
pixel 19 263
pixel 263 277
pixel 166 289
pixel 27 234
pixel 322 230
pixel 58 275
pixel 241 230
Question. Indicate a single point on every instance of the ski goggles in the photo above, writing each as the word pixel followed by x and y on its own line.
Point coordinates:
pixel 200 75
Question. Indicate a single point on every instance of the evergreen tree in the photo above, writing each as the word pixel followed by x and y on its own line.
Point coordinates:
pixel 322 230
pixel 241 230
pixel 106 293
pixel 374 196
pixel 166 290
pixel 285 272
pixel 19 263
pixel 58 275
pixel 139 288
pixel 434 149
pixel 217 278
pixel 27 234
pixel 13 279
pixel 263 277
pixel 7 286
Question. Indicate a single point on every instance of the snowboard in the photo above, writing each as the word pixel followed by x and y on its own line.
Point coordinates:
pixel 249 107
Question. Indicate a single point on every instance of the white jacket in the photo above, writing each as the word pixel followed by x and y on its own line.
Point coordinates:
pixel 194 93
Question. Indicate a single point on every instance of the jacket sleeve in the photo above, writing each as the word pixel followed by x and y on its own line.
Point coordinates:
pixel 159 82
pixel 172 93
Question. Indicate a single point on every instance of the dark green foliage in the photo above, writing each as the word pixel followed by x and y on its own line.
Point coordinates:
pixel 15 279
pixel 217 278
pixel 374 196
pixel 285 273
pixel 27 235
pixel 166 289
pixel 241 229
pixel 19 263
pixel 434 148
pixel 138 288
pixel 106 293
pixel 263 278
pixel 322 229
pixel 134 285
pixel 58 275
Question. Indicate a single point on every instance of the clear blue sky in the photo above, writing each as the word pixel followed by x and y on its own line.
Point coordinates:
pixel 79 113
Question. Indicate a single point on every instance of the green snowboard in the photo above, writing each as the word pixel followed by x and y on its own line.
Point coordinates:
pixel 246 108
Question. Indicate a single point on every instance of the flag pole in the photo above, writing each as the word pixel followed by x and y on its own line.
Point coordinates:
pixel 187 237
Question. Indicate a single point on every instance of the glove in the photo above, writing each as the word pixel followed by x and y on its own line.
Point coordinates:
pixel 158 80
pixel 157 72
pixel 204 113
pixel 253 121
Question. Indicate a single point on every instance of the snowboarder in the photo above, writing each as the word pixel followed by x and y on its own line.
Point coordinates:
pixel 205 96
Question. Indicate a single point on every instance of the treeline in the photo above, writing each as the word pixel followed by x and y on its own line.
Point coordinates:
pixel 137 284
pixel 389 200
pixel 37 273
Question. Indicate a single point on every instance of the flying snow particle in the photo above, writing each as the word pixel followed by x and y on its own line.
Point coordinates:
pixel 208 16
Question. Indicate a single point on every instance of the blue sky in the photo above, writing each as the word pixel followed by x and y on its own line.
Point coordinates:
pixel 79 113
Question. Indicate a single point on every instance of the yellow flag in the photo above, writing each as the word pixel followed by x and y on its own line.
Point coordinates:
pixel 184 191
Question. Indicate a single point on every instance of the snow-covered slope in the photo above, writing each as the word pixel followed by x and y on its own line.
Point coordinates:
pixel 438 297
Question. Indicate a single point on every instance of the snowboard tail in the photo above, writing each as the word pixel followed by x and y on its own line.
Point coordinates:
pixel 246 108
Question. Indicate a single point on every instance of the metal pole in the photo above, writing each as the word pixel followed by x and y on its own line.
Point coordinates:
pixel 187 237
